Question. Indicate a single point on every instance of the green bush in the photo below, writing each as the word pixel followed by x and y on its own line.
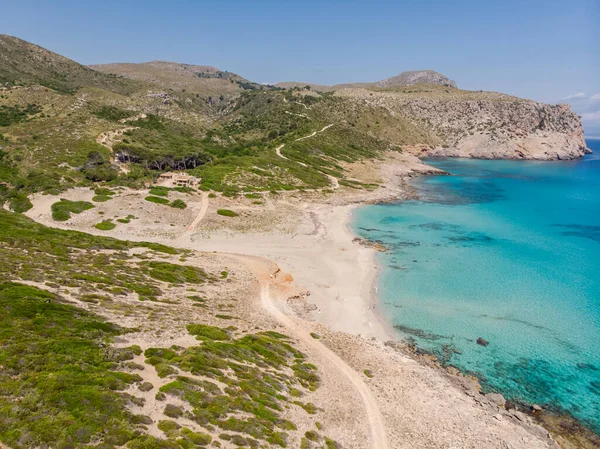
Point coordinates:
pixel 172 411
pixel 176 274
pixel 54 362
pixel 199 439
pixel 157 200
pixel 210 332
pixel 103 191
pixel 168 425
pixel 97 168
pixel 100 198
pixel 178 204
pixel 62 210
pixel 112 113
pixel 159 191
pixel 227 213
pixel 20 203
pixel 105 225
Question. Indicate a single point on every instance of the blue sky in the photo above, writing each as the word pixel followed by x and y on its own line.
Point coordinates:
pixel 544 50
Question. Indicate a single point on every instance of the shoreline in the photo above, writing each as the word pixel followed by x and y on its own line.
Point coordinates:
pixel 570 432
pixel 333 292
pixel 373 303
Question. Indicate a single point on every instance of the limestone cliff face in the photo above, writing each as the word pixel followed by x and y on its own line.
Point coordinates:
pixel 484 125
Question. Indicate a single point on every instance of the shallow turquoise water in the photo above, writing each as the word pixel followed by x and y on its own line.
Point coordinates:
pixel 508 251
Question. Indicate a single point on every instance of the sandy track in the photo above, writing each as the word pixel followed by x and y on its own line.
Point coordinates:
pixel 200 215
pixel 378 438
pixel 377 430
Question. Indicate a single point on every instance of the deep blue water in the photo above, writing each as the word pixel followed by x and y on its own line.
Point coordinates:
pixel 508 251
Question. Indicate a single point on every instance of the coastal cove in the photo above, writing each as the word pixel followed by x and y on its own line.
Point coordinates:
pixel 507 252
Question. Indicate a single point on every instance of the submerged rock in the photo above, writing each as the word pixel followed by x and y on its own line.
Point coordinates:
pixel 482 341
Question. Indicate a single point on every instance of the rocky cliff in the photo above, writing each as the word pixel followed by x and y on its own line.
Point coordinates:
pixel 484 125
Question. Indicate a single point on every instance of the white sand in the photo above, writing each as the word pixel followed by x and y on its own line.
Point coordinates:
pixel 331 293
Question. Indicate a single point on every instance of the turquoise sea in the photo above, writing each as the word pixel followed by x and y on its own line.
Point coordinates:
pixel 507 251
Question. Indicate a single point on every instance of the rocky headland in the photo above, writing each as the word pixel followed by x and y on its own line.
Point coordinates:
pixel 483 125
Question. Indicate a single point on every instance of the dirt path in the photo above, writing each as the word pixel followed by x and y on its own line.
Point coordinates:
pixel 378 438
pixel 184 238
pixel 200 215
pixel 377 431
pixel 107 139
pixel 334 181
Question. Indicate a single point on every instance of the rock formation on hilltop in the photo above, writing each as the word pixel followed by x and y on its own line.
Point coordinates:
pixel 417 77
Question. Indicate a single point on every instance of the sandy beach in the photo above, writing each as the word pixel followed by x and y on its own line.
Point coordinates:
pixel 306 271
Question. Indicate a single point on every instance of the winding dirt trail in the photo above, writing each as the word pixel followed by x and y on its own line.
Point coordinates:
pixel 267 276
pixel 334 181
pixel 377 434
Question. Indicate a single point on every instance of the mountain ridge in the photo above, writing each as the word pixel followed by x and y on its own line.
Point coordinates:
pixel 24 62
pixel 408 78
pixel 201 79
pixel 126 122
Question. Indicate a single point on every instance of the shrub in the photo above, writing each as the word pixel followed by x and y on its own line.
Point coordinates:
pixel 146 386
pixel 97 168
pixel 167 425
pixel 210 332
pixel 200 439
pixel 312 435
pixel 172 411
pixel 159 191
pixel 164 370
pixel 227 213
pixel 157 200
pixel 103 191
pixel 105 225
pixel 20 203
pixel 62 210
pixel 178 204
pixel 100 198
pixel 176 274
pixel 112 113
pixel 54 363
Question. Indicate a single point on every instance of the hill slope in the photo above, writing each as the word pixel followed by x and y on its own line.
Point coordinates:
pixel 197 79
pixel 417 77
pixel 403 79
pixel 88 126
pixel 24 63
pixel 484 125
